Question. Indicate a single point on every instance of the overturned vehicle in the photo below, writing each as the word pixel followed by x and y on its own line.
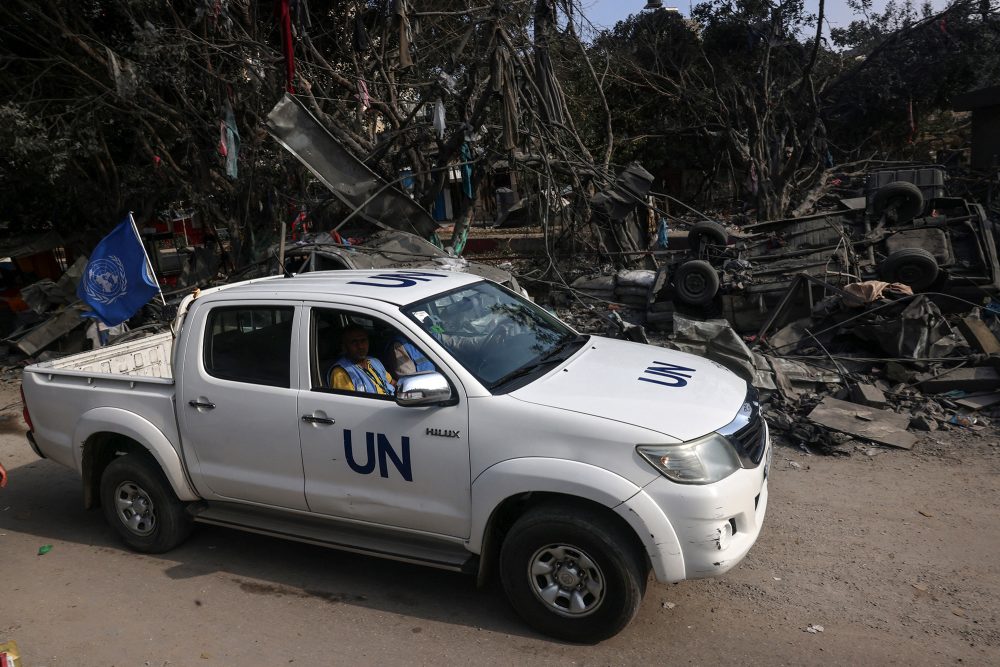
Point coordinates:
pixel 906 230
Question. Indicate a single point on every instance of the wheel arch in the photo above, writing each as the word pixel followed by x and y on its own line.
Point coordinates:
pixel 508 489
pixel 105 431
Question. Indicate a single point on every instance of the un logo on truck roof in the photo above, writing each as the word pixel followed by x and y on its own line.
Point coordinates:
pixel 668 375
pixel 397 279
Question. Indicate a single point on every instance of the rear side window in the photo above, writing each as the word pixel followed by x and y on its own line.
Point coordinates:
pixel 250 344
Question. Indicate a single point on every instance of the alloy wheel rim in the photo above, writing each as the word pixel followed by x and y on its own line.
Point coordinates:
pixel 566 580
pixel 135 509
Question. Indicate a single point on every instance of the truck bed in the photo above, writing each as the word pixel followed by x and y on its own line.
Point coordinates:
pixel 146 357
pixel 133 378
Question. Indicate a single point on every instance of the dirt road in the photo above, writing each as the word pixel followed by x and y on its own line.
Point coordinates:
pixel 896 556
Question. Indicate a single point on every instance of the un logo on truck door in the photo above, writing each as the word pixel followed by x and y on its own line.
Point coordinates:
pixel 386 454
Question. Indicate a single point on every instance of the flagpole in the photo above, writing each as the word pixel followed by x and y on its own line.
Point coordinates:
pixel 149 264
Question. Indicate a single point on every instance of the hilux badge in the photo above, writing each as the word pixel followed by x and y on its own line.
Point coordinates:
pixel 442 432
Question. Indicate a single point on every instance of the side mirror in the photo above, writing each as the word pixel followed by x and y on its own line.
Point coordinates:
pixel 422 389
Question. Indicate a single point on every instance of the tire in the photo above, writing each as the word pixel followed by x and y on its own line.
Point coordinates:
pixel 899 200
pixel 706 232
pixel 140 505
pixel 695 282
pixel 583 561
pixel 915 267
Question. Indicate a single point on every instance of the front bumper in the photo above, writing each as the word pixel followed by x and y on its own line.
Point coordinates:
pixel 701 531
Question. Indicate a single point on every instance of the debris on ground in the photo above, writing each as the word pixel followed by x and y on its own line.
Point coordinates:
pixel 869 326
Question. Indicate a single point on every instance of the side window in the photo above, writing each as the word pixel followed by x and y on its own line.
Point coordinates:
pixel 358 353
pixel 250 344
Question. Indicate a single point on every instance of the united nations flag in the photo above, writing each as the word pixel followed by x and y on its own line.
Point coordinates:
pixel 117 281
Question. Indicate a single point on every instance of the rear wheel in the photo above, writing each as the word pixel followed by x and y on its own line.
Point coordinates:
pixel 140 505
pixel 915 267
pixel 572 573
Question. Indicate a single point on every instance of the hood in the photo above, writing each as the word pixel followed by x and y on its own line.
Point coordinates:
pixel 677 394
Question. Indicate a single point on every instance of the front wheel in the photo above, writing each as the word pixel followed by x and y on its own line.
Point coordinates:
pixel 900 201
pixel 140 505
pixel 572 573
pixel 696 282
pixel 706 232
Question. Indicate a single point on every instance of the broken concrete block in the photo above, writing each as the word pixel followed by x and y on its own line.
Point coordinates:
pixel 897 372
pixel 867 394
pixel 923 423
pixel 964 379
pixel 978 335
pixel 882 426
pixel 978 402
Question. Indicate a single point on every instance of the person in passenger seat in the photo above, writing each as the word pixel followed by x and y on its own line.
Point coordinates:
pixel 405 358
pixel 355 370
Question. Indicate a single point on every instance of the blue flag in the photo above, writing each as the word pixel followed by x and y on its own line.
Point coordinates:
pixel 117 281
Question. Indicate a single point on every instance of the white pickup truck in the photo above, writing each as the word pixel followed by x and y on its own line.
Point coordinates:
pixel 569 464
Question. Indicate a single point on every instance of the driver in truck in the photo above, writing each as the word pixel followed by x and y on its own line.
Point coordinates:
pixel 355 370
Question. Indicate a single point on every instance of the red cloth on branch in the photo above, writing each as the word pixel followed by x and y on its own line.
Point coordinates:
pixel 284 17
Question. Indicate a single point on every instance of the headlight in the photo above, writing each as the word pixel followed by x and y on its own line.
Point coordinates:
pixel 701 461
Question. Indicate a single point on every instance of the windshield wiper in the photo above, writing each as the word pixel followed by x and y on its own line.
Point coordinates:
pixel 555 355
pixel 519 372
pixel 570 344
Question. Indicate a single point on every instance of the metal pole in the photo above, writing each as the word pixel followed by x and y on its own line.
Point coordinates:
pixel 281 249
pixel 149 264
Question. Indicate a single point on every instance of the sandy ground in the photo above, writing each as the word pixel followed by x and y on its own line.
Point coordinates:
pixel 896 556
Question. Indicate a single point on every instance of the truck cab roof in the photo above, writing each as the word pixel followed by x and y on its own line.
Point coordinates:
pixel 395 286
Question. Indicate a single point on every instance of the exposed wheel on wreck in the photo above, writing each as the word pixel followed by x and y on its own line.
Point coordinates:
pixel 704 233
pixel 140 505
pixel 899 201
pixel 695 282
pixel 915 267
pixel 572 572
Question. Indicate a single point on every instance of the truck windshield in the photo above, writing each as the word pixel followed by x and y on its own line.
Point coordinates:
pixel 501 338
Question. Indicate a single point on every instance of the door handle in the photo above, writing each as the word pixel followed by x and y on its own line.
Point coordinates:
pixel 199 404
pixel 318 420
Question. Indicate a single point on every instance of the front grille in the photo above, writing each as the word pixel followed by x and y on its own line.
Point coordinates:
pixel 750 440
pixel 747 432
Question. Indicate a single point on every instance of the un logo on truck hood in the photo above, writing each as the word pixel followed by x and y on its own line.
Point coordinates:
pixel 104 280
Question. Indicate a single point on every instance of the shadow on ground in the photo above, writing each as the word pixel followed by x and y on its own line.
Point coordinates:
pixel 45 500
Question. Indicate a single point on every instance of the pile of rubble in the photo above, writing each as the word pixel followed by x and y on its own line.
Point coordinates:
pixel 870 364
